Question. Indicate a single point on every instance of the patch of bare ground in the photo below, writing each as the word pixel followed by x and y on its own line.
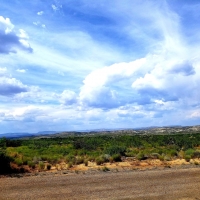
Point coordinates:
pixel 168 184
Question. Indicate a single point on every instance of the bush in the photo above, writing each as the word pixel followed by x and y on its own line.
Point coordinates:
pixel 187 158
pixel 161 158
pixel 106 157
pixel 189 152
pixel 141 156
pixel 31 164
pixel 86 162
pixel 99 160
pixel 196 154
pixel 41 165
pixel 70 158
pixel 173 153
pixel 79 160
pixel 36 160
pixel 117 158
pixel 167 158
pixel 196 163
pixel 69 165
pixel 115 150
pixel 5 163
pixel 18 161
pixel 155 155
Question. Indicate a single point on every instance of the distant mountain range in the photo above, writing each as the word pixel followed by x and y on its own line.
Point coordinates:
pixel 21 135
pixel 142 130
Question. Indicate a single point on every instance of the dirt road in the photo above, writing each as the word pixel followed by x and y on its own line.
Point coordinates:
pixel 170 184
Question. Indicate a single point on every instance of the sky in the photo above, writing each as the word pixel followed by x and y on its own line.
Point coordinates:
pixel 84 64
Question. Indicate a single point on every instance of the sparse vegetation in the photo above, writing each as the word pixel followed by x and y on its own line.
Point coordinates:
pixel 44 153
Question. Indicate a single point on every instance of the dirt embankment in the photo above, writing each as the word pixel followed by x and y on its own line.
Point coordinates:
pixel 165 184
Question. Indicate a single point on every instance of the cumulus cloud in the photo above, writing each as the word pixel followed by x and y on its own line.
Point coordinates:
pixel 97 89
pixel 11 86
pixel 11 39
pixel 68 97
pixel 100 97
pixel 167 73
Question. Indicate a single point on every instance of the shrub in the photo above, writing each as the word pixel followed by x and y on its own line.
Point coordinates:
pixel 31 164
pixel 155 155
pixel 161 157
pixel 36 159
pixel 111 159
pixel 70 158
pixel 187 158
pixel 167 158
pixel 196 163
pixel 69 165
pixel 99 160
pixel 115 150
pixel 106 157
pixel 86 162
pixel 18 161
pixel 79 160
pixel 173 153
pixel 25 161
pixel 196 154
pixel 41 165
pixel 116 158
pixel 189 152
pixel 141 156
pixel 181 154
pixel 91 158
pixel 4 162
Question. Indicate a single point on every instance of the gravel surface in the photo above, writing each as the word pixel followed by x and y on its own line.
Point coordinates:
pixel 169 184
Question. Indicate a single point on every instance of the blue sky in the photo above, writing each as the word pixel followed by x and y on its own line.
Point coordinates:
pixel 84 64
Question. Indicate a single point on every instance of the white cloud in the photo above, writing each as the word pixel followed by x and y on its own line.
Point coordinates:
pixel 22 34
pixel 11 86
pixel 156 72
pixel 3 71
pixel 21 70
pixel 195 114
pixel 162 75
pixel 6 25
pixel 12 40
pixel 55 8
pixel 40 13
pixel 36 23
pixel 113 73
pixel 68 97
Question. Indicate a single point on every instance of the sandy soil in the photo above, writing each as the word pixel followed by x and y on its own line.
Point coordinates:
pixel 156 184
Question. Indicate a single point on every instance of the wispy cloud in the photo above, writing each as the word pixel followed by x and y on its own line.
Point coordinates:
pixel 121 65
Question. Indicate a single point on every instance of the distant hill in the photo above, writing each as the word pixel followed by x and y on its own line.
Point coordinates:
pixel 142 131
pixel 22 135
